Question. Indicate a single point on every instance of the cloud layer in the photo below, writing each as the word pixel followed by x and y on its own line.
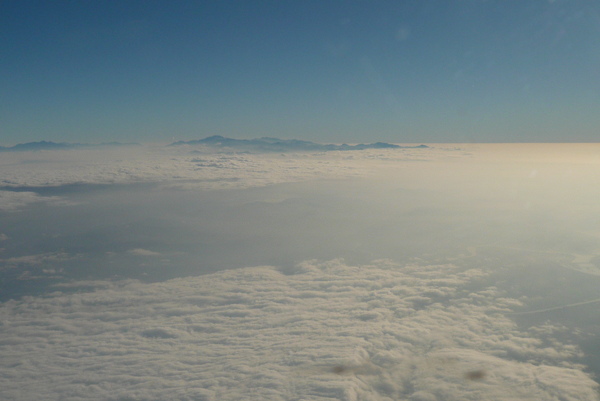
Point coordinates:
pixel 425 327
pixel 211 169
pixel 319 331
pixel 186 166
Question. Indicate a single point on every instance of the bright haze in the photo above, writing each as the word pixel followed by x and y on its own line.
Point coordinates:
pixel 344 71
pixel 299 201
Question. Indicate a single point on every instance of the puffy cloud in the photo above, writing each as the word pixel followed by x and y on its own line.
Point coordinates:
pixel 318 331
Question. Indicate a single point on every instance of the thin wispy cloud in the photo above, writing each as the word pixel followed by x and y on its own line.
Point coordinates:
pixel 38 259
pixel 12 201
pixel 143 252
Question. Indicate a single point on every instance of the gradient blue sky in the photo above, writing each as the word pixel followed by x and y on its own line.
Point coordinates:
pixel 329 71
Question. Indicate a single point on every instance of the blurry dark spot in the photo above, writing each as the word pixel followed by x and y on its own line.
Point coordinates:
pixel 475 375
pixel 339 369
pixel 158 333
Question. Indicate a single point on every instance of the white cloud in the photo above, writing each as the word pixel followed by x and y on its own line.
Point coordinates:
pixel 319 331
pixel 35 260
pixel 143 252
pixel 11 201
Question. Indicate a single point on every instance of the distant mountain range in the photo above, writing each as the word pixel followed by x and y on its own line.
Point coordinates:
pixel 283 145
pixel 46 145
pixel 264 144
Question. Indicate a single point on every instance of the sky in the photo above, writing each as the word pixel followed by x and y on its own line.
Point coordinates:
pixel 339 71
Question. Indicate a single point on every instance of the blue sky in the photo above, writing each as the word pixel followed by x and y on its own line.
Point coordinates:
pixel 335 71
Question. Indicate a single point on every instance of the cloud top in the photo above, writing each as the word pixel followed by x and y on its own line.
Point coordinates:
pixel 319 331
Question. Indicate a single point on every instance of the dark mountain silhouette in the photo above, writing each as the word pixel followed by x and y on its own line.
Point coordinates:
pixel 267 144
